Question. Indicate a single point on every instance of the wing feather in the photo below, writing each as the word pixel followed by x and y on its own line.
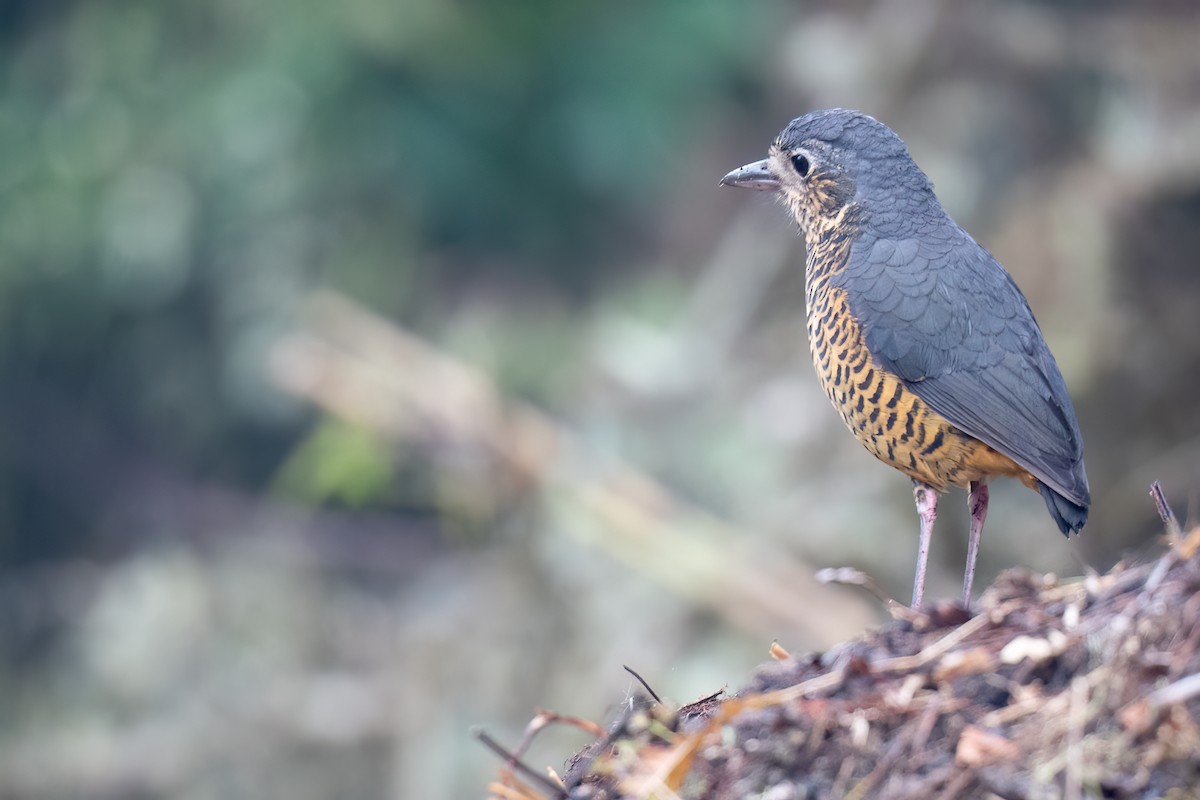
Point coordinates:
pixel 948 319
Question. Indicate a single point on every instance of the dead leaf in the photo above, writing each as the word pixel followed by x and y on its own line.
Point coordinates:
pixel 977 747
pixel 965 662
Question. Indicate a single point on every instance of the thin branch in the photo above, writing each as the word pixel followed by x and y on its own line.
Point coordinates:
pixel 515 763
pixel 943 645
pixel 1180 691
pixel 642 681
pixel 1165 513
pixel 850 576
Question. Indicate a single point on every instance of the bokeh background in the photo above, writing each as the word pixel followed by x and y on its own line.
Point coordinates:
pixel 373 370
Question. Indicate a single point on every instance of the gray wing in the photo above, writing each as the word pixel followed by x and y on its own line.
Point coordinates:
pixel 939 311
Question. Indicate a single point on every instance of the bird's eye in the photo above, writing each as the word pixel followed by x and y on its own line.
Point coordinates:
pixel 801 164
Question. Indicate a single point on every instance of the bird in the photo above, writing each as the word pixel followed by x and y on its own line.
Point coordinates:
pixel 920 338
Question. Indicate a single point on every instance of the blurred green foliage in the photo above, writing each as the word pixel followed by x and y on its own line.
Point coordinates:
pixel 338 463
pixel 179 176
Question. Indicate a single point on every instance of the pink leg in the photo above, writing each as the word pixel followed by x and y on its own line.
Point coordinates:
pixel 927 500
pixel 977 503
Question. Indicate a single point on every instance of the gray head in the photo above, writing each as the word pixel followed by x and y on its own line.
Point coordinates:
pixel 824 161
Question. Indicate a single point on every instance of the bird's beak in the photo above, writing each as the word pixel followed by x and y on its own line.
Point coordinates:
pixel 752 176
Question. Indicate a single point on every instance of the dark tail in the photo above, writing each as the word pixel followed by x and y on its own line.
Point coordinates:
pixel 1070 516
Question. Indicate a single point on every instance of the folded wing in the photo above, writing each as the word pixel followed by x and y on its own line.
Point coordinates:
pixel 939 311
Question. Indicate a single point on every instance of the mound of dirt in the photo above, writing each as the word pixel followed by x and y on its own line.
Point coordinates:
pixel 1081 689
